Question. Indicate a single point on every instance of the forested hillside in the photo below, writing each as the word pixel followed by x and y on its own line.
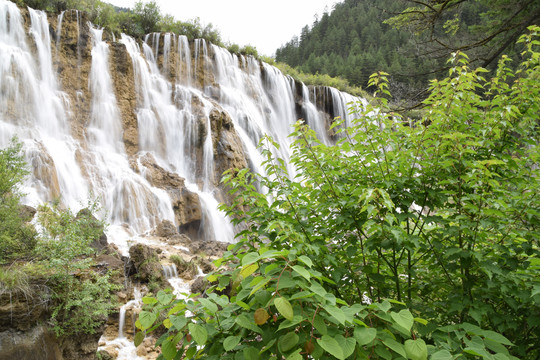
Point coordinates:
pixel 410 40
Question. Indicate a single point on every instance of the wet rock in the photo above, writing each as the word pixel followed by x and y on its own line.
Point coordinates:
pixel 146 263
pixel 186 204
pixel 166 229
pixel 205 264
pixel 107 354
pixel 27 213
pixel 209 248
pixel 199 286
pixel 36 344
pixel 180 239
pixel 81 346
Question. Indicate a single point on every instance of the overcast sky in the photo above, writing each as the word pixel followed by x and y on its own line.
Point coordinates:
pixel 264 24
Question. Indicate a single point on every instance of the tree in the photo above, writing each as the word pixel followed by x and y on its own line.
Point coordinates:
pixel 148 16
pixel 402 240
pixel 486 29
pixel 17 239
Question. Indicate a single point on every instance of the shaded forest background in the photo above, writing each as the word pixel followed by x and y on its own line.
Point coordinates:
pixel 411 40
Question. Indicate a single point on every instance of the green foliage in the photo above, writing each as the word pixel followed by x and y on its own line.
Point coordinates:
pixel 65 237
pixel 319 79
pixel 14 280
pixel 59 255
pixel 440 215
pixel 17 239
pixel 147 16
pixel 85 307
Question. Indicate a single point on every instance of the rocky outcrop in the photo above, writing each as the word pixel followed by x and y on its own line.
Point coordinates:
pixel 124 87
pixel 186 204
pixel 229 151
pixel 146 265
pixel 36 344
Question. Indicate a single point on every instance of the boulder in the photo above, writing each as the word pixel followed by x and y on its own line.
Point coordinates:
pixel 199 286
pixel 166 229
pixel 186 204
pixel 36 344
pixel 146 263
pixel 26 213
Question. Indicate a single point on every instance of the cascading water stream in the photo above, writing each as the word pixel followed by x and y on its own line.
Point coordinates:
pixel 34 109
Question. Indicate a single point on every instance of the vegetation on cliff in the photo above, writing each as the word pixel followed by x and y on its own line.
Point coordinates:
pixel 50 268
pixel 144 18
pixel 403 240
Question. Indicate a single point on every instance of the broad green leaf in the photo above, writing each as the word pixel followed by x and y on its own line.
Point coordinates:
pixel 230 342
pixel 168 349
pixel 347 345
pixel 295 355
pixel 191 352
pixel 394 345
pixel 245 322
pixel 243 305
pixel 306 260
pixel 213 308
pixel 288 323
pixel 251 353
pixel 149 300
pixel 421 321
pixel 330 345
pixel 302 295
pixel 146 319
pixel 317 289
pixel 288 341
pixel 268 346
pixel 416 349
pixel 336 313
pixel 404 318
pixel 178 307
pixel 284 307
pixel 319 325
pixel 442 355
pixel 250 258
pixel 167 323
pixel 260 286
pixel 364 335
pixel 198 333
pixel 178 321
pixel 302 271
pixel 164 298
pixel 248 270
pixel 139 337
pixel 492 335
pixel 384 306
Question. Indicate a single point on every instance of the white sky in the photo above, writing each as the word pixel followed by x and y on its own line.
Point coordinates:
pixel 264 24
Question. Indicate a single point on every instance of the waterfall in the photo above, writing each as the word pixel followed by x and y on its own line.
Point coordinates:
pixel 73 128
pixel 169 271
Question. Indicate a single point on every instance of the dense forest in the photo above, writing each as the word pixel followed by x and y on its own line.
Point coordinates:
pixel 410 40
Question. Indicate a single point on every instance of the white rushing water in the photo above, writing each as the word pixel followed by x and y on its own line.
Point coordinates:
pixel 173 119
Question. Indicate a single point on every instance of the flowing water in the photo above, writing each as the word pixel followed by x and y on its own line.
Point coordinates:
pixel 73 168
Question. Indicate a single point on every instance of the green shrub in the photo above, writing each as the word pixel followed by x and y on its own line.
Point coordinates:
pixel 17 239
pixel 82 306
pixel 442 217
